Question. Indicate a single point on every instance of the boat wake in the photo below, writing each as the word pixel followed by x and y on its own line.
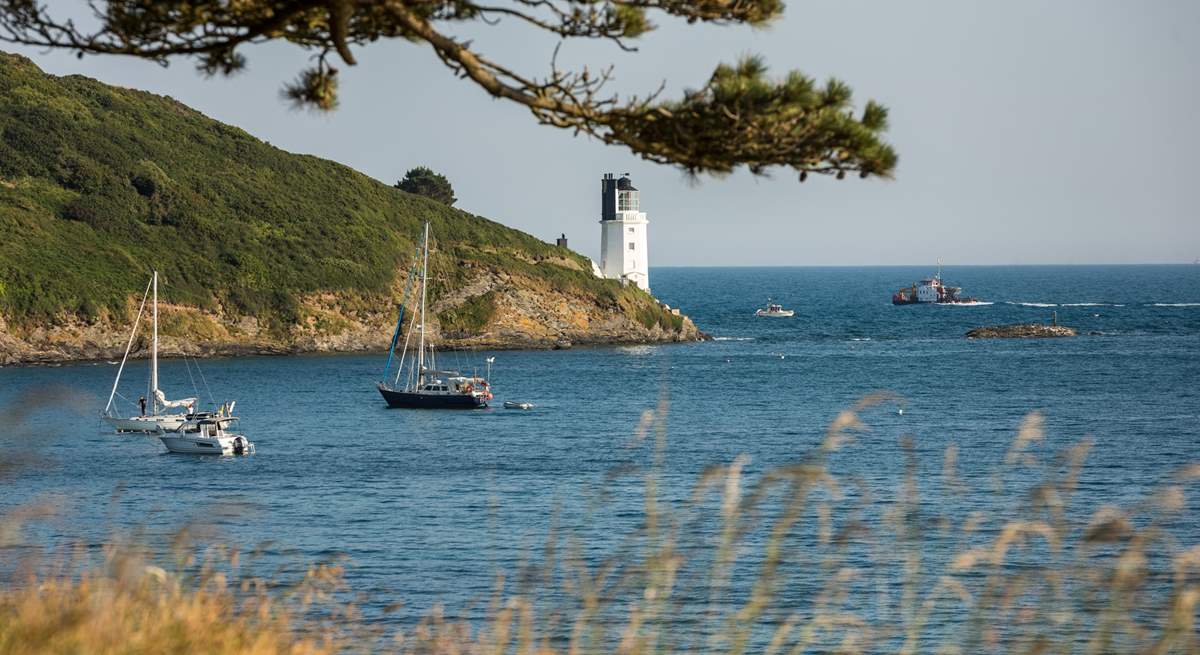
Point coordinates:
pixel 969 303
pixel 733 338
pixel 636 351
pixel 1176 304
pixel 1064 304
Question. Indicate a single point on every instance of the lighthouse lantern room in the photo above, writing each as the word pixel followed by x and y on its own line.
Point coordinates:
pixel 623 253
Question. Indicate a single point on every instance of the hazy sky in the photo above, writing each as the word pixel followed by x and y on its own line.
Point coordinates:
pixel 1046 131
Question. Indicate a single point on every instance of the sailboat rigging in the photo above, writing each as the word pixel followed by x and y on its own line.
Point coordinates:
pixel 154 415
pixel 425 386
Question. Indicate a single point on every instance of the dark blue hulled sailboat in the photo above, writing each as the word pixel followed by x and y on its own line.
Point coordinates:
pixel 424 385
pixel 438 394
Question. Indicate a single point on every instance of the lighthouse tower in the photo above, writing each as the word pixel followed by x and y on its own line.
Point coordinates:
pixel 623 253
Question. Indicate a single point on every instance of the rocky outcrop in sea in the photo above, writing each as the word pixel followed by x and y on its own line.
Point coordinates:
pixel 1021 331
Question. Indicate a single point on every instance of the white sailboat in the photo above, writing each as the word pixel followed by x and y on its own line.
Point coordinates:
pixel 158 418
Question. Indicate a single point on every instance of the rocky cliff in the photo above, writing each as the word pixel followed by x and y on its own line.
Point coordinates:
pixel 525 315
pixel 259 250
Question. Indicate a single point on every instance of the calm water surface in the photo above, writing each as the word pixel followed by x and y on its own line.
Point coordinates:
pixel 427 505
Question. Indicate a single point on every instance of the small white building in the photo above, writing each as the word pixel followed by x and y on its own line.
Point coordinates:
pixel 623 254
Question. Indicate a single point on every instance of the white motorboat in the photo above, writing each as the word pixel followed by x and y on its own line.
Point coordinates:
pixel 155 414
pixel 774 310
pixel 512 404
pixel 206 436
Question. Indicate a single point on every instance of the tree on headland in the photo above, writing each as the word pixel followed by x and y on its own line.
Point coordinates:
pixel 738 118
pixel 424 182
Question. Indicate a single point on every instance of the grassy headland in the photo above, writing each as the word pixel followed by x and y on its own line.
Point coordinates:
pixel 99 184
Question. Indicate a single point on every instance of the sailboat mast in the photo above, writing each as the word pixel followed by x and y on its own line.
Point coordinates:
pixel 424 288
pixel 128 347
pixel 154 351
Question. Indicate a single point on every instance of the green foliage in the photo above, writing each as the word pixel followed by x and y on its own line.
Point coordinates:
pixel 315 87
pixel 651 315
pixel 628 21
pixel 470 317
pixel 424 182
pixel 98 185
pixel 810 130
pixel 738 119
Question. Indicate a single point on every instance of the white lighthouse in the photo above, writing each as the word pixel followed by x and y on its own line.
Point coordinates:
pixel 623 253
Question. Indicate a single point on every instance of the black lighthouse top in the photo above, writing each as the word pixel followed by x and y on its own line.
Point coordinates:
pixel 617 195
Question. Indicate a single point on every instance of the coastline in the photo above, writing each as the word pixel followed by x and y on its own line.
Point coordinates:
pixel 234 352
pixel 521 313
pixel 21 353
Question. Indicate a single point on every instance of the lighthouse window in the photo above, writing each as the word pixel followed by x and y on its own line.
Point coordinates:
pixel 627 201
pixel 631 245
pixel 631 230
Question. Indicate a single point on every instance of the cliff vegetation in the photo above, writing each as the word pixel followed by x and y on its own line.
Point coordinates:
pixel 259 249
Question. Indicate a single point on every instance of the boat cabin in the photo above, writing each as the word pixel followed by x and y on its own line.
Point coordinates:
pixel 455 384
pixel 928 291
pixel 207 427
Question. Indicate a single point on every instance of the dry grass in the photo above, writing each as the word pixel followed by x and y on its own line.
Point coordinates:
pixel 790 560
pixel 131 607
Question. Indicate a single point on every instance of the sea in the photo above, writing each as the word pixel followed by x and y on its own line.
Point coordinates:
pixel 431 508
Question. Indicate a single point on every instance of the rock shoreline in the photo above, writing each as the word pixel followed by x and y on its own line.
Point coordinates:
pixel 80 342
pixel 216 350
pixel 1022 331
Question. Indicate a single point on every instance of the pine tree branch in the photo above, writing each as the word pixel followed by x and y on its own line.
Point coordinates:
pixel 738 118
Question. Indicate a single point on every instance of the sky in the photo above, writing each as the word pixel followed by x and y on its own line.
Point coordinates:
pixel 1029 132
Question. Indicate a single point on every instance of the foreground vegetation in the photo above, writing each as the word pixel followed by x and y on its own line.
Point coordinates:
pixel 100 184
pixel 795 560
pixel 740 117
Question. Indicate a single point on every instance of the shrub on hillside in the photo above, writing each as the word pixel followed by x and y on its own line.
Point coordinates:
pixel 423 181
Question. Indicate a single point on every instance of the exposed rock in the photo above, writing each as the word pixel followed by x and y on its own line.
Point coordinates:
pixel 1021 331
pixel 529 313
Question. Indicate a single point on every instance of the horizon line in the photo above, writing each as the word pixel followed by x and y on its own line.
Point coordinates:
pixel 914 265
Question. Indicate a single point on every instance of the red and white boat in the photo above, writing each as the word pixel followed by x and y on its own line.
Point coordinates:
pixel 931 290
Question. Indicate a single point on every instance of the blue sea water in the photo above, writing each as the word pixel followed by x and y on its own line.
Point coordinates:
pixel 428 506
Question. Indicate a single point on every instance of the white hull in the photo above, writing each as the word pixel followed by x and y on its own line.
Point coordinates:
pixel 780 314
pixel 195 444
pixel 147 424
pixel 157 401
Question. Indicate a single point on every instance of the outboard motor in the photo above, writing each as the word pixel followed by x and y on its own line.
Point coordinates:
pixel 239 446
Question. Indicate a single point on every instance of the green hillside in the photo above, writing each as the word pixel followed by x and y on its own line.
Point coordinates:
pixel 99 184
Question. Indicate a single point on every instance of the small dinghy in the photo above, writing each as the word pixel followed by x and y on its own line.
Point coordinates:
pixel 206 436
pixel 512 404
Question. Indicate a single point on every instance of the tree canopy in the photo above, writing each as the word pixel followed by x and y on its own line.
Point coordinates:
pixel 739 117
pixel 424 182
